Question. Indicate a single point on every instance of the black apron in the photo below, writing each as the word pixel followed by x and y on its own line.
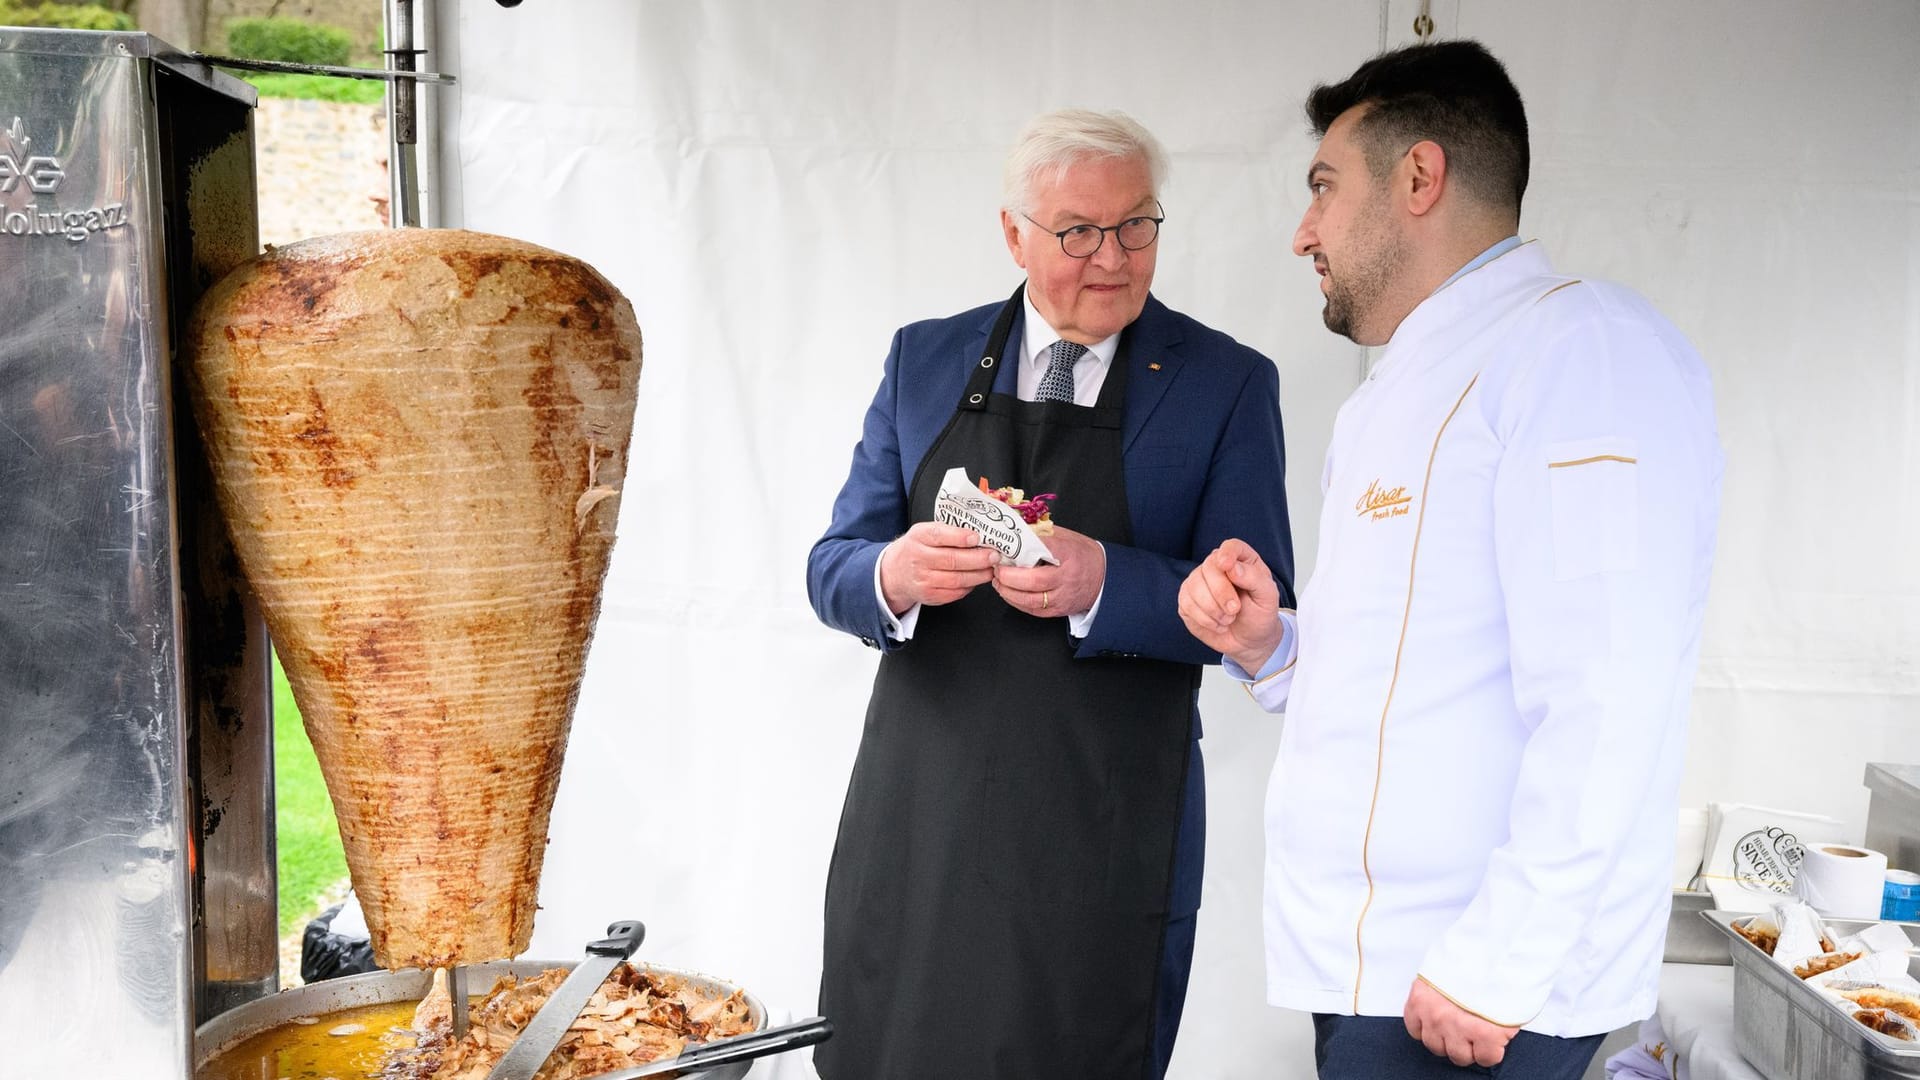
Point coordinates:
pixel 1001 879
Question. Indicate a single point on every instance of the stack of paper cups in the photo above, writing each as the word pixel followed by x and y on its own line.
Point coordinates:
pixel 1842 882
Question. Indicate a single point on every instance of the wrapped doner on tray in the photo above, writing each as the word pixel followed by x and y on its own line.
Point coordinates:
pixel 1865 973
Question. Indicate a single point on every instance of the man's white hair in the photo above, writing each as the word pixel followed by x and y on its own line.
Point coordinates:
pixel 1053 142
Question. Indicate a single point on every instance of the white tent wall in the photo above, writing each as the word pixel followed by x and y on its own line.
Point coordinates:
pixel 778 185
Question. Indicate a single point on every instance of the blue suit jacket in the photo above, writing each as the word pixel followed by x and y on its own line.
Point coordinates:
pixel 1202 457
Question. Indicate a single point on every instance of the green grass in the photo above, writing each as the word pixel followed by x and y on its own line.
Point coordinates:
pixel 316 87
pixel 311 859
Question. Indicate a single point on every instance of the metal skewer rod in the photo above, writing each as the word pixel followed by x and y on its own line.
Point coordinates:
pixel 457 990
pixel 403 169
pixel 289 68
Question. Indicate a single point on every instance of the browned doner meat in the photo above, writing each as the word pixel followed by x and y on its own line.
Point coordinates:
pixel 1886 1023
pixel 1763 936
pixel 1825 962
pixel 1906 1005
pixel 419 438
pixel 635 1017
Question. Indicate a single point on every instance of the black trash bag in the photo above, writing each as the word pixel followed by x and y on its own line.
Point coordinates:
pixel 327 955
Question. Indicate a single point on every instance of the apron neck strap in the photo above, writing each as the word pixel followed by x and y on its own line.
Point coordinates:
pixel 980 384
pixel 1113 391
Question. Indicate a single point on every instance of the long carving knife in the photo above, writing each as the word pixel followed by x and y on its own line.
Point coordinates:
pixel 544 1031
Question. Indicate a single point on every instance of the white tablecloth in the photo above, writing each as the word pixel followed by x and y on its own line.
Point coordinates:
pixel 1696 1012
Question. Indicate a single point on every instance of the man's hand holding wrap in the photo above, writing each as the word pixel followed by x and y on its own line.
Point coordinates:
pixel 933 564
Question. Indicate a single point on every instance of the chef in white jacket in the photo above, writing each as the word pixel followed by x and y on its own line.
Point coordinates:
pixel 1471 821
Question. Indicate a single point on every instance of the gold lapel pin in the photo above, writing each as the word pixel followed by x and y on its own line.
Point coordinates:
pixel 1155 366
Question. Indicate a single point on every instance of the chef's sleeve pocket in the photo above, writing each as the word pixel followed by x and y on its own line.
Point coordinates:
pixel 1593 486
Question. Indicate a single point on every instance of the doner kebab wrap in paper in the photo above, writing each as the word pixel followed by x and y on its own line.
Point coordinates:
pixel 1001 527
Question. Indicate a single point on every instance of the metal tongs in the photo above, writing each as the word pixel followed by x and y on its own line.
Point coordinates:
pixel 700 1057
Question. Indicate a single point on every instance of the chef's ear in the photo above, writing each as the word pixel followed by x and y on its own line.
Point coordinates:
pixel 1011 225
pixel 1423 176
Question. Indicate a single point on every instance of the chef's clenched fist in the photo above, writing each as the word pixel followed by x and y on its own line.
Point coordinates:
pixel 1232 605
pixel 933 564
pixel 1451 1032
pixel 1053 591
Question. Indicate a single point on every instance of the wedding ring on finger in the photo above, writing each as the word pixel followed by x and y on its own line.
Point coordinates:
pixel 1043 598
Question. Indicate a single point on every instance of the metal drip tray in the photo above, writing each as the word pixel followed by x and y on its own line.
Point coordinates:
pixel 385 987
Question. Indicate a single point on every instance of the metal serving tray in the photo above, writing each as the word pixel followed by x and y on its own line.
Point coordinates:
pixel 1789 1031
pixel 1893 813
pixel 1689 939
pixel 380 987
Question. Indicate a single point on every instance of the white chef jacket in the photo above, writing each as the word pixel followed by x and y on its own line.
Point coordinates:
pixel 1487 682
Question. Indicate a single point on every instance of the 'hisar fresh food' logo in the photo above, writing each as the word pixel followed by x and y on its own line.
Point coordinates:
pixel 40 174
pixel 1380 502
pixel 1768 859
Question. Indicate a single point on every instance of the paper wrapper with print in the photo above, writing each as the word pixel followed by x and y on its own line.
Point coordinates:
pixel 1753 853
pixel 419 438
pixel 961 502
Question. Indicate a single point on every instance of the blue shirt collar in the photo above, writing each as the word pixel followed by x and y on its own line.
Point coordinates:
pixel 1482 259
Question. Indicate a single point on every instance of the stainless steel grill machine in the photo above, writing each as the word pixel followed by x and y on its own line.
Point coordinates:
pixel 135 747
pixel 137 861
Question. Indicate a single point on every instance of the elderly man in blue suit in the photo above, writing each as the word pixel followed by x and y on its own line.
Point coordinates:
pixel 1014 887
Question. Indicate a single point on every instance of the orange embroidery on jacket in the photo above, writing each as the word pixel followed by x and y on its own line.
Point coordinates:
pixel 1383 502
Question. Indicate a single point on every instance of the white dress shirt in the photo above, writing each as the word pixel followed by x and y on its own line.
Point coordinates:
pixel 1089 374
pixel 1487 682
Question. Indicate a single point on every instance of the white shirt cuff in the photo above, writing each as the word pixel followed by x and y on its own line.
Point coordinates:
pixel 1078 625
pixel 899 627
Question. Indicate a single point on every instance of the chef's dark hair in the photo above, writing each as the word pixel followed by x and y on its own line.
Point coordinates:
pixel 1452 92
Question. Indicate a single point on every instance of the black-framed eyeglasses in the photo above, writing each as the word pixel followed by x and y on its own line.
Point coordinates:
pixel 1081 241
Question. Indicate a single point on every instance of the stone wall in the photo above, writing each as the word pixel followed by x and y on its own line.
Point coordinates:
pixel 321 168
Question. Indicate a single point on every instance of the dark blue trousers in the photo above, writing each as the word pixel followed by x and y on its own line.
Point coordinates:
pixel 1176 952
pixel 1379 1048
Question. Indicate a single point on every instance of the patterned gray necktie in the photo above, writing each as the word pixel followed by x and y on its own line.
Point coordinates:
pixel 1057 383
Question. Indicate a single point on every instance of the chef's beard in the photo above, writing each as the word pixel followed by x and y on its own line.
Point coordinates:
pixel 1360 277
